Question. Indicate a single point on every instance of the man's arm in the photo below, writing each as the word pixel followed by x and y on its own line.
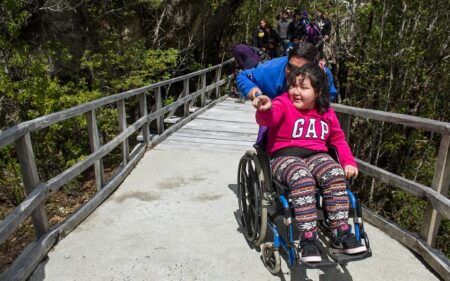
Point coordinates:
pixel 246 85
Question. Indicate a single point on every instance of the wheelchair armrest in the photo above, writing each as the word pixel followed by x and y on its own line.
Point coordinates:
pixel 280 188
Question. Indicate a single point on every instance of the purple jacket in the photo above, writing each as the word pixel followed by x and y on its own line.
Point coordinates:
pixel 245 56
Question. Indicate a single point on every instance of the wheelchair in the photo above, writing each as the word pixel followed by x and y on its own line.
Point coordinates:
pixel 263 200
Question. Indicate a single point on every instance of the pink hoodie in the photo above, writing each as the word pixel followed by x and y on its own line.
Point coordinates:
pixel 290 127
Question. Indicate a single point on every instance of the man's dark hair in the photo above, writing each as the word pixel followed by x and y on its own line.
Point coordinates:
pixel 319 82
pixel 305 50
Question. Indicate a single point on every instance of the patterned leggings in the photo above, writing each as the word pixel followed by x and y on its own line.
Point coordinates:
pixel 301 175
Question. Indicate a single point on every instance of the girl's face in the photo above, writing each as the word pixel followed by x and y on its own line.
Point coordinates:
pixel 302 94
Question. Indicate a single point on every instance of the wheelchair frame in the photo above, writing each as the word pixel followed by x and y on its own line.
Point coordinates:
pixel 257 191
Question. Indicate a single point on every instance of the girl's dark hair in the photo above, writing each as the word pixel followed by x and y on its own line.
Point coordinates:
pixel 319 82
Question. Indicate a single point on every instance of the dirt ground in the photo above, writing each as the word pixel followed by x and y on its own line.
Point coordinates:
pixel 59 205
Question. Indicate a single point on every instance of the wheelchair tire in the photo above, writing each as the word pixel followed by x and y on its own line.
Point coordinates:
pixel 253 213
pixel 271 258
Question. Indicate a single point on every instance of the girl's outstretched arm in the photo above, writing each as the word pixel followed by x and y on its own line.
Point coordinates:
pixel 268 113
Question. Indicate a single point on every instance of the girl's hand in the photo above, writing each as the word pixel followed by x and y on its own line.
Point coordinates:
pixel 350 171
pixel 262 103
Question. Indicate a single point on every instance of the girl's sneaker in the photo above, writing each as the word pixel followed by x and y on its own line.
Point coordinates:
pixel 346 243
pixel 308 249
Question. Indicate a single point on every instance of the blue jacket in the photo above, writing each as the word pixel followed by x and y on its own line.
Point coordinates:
pixel 331 87
pixel 269 76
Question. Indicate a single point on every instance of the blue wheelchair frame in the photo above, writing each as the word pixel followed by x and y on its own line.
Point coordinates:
pixel 259 194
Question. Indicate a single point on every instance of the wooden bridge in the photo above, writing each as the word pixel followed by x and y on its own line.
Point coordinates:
pixel 169 212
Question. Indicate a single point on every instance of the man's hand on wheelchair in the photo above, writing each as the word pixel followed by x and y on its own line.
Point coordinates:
pixel 350 171
pixel 262 103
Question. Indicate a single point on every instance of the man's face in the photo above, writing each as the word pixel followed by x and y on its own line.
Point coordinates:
pixel 295 63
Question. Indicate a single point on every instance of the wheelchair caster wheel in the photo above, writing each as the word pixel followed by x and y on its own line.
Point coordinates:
pixel 271 258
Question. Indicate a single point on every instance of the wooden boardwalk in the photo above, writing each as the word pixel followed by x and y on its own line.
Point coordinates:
pixel 175 218
pixel 227 126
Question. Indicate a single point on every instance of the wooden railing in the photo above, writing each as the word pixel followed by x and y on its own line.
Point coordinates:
pixel 438 204
pixel 37 191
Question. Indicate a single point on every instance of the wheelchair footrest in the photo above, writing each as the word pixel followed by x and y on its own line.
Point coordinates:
pixel 345 258
pixel 323 264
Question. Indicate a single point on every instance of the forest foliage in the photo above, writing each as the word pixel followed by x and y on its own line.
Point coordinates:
pixel 388 55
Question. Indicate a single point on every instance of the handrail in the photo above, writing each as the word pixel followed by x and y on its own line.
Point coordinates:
pixel 15 132
pixel 438 204
pixel 37 191
pixel 391 117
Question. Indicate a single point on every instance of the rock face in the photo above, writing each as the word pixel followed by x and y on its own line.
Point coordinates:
pixel 191 26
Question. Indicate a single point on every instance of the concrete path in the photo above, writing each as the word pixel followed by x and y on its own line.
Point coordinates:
pixel 174 218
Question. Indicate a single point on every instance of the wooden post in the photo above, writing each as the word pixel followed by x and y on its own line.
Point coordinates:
pixel 94 141
pixel 185 94
pixel 144 112
pixel 122 127
pixel 441 182
pixel 203 88
pixel 346 122
pixel 30 179
pixel 160 119
pixel 218 77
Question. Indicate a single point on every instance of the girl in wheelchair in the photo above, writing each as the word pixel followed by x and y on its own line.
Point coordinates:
pixel 301 125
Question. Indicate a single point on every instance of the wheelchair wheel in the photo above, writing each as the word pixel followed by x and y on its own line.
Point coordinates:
pixel 271 257
pixel 253 212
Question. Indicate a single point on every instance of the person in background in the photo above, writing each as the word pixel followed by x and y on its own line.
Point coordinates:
pixel 324 25
pixel 297 29
pixel 271 42
pixel 282 30
pixel 301 123
pixel 313 34
pixel 246 56
pixel 331 88
pixel 260 37
pixel 325 29
pixel 292 43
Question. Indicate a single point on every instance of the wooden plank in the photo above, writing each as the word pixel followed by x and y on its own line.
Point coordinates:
pixel 186 93
pixel 94 141
pixel 30 257
pixel 172 120
pixel 412 240
pixel 230 118
pixel 206 133
pixel 144 114
pixel 435 258
pixel 396 118
pixel 202 147
pixel 229 126
pixel 218 77
pixel 159 119
pixel 231 129
pixel 183 94
pixel 174 128
pixel 440 183
pixel 439 202
pixel 203 89
pixel 122 115
pixel 30 180
pixel 346 123
pixel 210 141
